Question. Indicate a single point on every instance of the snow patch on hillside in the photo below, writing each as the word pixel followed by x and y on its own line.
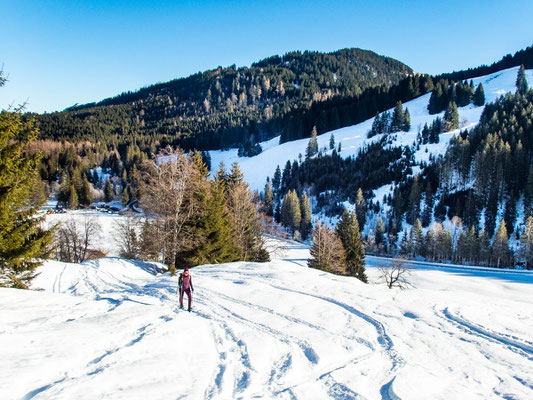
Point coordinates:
pixel 353 138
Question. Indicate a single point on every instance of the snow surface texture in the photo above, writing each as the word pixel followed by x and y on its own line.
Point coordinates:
pixel 353 138
pixel 109 328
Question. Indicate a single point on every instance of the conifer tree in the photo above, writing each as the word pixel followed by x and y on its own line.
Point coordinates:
pixel 331 142
pixel 521 81
pixel 350 236
pixel 291 216
pixel 406 126
pixel 360 208
pixel 326 251
pixel 500 247
pixel 86 197
pixel 23 242
pixel 397 122
pixel 214 236
pixel 73 198
pixel 479 96
pixel 484 246
pixel 380 232
pixel 451 117
pixel 125 196
pixel 418 238
pixel 414 200
pixel 269 199
pixel 312 146
pixel 305 224
pixel 276 183
pixel 108 191
pixel 428 209
pixel 221 174
pixel 526 243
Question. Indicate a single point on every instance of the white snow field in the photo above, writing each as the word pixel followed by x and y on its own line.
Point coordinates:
pixel 111 329
pixel 353 138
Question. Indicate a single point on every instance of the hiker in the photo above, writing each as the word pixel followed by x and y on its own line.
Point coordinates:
pixel 185 286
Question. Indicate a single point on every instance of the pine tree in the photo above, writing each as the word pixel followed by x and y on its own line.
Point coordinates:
pixel 451 117
pixel 23 242
pixel 312 146
pixel 428 209
pixel 326 251
pixel 500 247
pixel 108 191
pixel 350 236
pixel 235 176
pixel 269 199
pixel 479 96
pixel 125 196
pixel 521 81
pixel 221 174
pixel 484 246
pixel 305 224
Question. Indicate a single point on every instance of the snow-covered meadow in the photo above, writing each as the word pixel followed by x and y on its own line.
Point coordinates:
pixel 110 328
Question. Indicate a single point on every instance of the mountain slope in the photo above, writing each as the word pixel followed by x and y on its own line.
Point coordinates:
pixel 108 328
pixel 353 138
pixel 226 106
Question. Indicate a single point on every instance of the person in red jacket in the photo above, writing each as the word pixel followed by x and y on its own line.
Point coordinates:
pixel 185 286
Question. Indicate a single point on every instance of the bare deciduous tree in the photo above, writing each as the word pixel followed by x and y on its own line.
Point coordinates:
pixel 75 238
pixel 326 251
pixel 169 195
pixel 396 274
pixel 127 236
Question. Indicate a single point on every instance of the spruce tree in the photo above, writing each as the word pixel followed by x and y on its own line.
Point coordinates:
pixel 500 247
pixel 380 232
pixel 331 142
pixel 269 199
pixel 350 236
pixel 312 146
pixel 23 242
pixel 73 198
pixel 451 117
pixel 86 197
pixel 526 243
pixel 108 191
pixel 305 224
pixel 479 96
pixel 214 236
pixel 397 122
pixel 406 127
pixel 418 238
pixel 360 208
pixel 521 81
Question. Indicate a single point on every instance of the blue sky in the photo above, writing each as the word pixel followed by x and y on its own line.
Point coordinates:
pixel 58 53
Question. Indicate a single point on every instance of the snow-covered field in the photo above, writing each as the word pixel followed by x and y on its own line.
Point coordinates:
pixel 353 138
pixel 109 328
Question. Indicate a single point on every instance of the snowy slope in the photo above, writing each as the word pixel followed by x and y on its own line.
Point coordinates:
pixel 110 329
pixel 352 138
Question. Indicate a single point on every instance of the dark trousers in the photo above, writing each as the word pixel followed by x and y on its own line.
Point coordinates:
pixel 189 295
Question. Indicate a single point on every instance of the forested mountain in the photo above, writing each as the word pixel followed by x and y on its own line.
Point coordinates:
pixel 229 106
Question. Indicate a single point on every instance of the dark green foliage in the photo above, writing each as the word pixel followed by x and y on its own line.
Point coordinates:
pixel 451 117
pixel 23 242
pixel 108 191
pixel 231 106
pixel 312 146
pixel 350 236
pixel 291 215
pixel 305 224
pixel 521 81
pixel 479 96
pixel 269 199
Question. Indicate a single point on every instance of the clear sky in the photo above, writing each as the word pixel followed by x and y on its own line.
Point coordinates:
pixel 58 53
